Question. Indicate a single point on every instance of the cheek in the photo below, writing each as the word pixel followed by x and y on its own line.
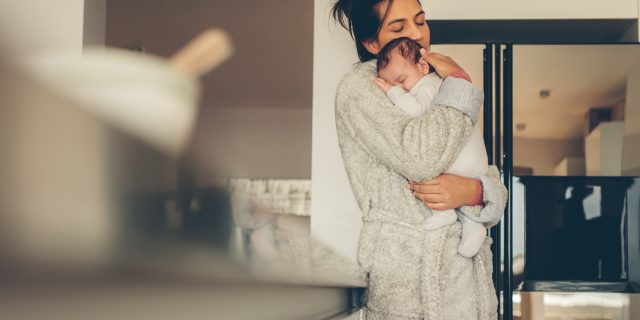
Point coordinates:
pixel 384 76
pixel 426 36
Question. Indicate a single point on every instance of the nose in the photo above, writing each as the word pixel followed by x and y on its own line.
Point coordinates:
pixel 415 33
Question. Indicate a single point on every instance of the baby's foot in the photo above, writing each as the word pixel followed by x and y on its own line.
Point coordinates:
pixel 473 235
pixel 440 219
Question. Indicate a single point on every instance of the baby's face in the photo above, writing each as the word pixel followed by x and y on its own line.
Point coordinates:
pixel 400 71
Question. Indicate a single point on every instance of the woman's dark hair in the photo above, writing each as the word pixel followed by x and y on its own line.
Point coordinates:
pixel 408 48
pixel 360 18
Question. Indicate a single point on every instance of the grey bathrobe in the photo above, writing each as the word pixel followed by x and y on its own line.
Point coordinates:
pixel 414 274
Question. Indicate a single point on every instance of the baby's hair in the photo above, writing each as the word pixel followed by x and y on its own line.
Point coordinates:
pixel 408 48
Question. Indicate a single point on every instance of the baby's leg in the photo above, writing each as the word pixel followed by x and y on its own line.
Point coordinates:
pixel 440 219
pixel 473 235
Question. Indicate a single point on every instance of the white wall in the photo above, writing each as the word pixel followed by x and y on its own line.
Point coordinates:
pixel 95 15
pixel 254 142
pixel 631 147
pixel 543 155
pixel 33 25
pixel 335 216
pixel 530 9
pixel 28 26
pixel 603 149
pixel 59 154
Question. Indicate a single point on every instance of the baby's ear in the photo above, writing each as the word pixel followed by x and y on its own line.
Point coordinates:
pixel 424 67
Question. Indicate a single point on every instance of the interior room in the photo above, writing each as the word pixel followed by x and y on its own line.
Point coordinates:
pixel 190 159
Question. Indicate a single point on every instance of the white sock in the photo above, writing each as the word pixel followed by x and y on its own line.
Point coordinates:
pixel 440 219
pixel 473 235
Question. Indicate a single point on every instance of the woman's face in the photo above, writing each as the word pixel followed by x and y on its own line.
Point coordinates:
pixel 405 18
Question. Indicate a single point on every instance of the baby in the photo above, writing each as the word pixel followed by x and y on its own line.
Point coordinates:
pixel 407 82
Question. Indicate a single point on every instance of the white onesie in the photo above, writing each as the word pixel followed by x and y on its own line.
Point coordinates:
pixel 471 162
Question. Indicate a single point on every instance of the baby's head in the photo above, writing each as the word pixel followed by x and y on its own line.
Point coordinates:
pixel 399 63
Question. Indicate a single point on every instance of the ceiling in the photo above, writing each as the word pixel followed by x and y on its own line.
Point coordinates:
pixel 273 43
pixel 579 77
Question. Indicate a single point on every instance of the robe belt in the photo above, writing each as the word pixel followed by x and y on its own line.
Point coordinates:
pixel 432 244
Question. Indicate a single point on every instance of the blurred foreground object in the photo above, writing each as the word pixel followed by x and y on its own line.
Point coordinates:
pixel 204 53
pixel 153 99
pixel 75 132
pixel 94 222
pixel 138 94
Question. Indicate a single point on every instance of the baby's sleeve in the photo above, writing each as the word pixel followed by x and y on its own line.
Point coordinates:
pixel 414 105
pixel 418 148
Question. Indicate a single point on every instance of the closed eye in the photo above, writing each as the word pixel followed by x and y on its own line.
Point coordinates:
pixel 421 18
pixel 399 26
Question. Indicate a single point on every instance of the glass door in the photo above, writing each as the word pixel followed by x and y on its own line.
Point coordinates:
pixel 571 159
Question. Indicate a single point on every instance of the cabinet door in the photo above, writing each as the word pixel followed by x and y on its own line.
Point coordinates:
pixel 530 9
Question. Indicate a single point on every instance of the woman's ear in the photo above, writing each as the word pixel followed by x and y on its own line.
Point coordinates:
pixel 371 46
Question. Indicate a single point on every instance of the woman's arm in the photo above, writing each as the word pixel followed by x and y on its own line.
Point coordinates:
pixel 418 148
pixel 450 191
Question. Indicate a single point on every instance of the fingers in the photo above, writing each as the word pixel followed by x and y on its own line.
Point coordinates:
pixel 381 81
pixel 378 83
pixel 434 201
pixel 433 181
pixel 384 85
pixel 431 198
pixel 436 58
pixel 427 189
pixel 423 56
pixel 433 55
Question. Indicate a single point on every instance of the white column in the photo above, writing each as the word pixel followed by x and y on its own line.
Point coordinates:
pixel 94 22
pixel 631 146
pixel 335 217
pixel 34 25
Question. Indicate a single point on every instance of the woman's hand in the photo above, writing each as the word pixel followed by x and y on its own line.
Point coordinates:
pixel 447 191
pixel 444 65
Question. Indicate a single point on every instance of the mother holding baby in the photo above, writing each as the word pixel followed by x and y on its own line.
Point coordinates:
pixel 395 164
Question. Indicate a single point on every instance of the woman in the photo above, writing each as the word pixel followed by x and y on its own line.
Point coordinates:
pixel 413 274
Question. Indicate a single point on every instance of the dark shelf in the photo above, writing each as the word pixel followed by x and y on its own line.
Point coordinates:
pixel 579 286
pixel 565 31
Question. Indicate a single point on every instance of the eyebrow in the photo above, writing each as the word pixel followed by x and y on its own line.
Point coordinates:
pixel 403 19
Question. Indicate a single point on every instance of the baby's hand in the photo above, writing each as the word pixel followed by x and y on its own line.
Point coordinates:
pixel 383 84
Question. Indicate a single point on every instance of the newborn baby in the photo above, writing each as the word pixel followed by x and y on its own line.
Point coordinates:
pixel 409 85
